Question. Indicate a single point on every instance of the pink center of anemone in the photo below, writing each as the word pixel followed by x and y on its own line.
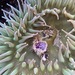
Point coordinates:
pixel 41 45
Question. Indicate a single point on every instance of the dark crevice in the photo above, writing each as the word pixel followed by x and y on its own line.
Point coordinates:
pixel 3 5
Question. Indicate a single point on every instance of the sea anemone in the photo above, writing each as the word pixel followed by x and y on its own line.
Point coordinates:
pixel 33 40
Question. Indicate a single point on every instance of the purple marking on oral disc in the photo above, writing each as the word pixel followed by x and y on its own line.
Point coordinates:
pixel 40 45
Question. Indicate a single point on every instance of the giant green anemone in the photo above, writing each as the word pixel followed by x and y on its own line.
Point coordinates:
pixel 50 22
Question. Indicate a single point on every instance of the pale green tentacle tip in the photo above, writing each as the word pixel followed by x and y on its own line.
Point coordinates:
pixel 49 66
pixel 42 66
pixel 35 70
pixel 65 72
pixel 31 63
pixel 60 55
pixel 17 55
pixel 22 57
pixel 68 72
pixel 23 73
pixel 24 64
pixel 56 66
pixel 72 62
pixel 71 59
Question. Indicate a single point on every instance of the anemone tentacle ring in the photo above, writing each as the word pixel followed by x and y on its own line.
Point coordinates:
pixel 34 31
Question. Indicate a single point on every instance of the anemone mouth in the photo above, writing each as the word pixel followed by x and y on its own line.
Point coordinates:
pixel 33 23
